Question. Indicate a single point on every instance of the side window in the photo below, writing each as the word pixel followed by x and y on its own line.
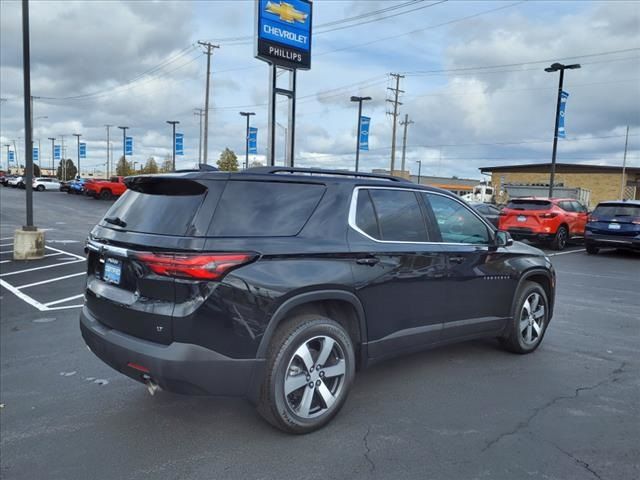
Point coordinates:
pixel 578 207
pixel 366 219
pixel 566 206
pixel 399 215
pixel 457 223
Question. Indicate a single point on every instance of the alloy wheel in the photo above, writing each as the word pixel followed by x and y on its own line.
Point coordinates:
pixel 315 377
pixel 532 319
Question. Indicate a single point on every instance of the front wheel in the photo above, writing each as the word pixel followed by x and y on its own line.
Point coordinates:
pixel 310 369
pixel 530 319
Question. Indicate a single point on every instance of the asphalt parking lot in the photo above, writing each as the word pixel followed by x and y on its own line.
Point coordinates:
pixel 471 411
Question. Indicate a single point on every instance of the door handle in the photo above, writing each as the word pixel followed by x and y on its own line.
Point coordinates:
pixel 371 261
pixel 456 259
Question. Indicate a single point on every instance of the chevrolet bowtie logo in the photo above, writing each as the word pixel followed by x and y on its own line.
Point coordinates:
pixel 286 12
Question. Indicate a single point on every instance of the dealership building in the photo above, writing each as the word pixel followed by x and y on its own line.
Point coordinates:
pixel 603 182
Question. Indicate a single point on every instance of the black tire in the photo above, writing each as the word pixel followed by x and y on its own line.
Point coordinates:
pixel 591 249
pixel 40 188
pixel 105 195
pixel 277 407
pixel 560 239
pixel 517 334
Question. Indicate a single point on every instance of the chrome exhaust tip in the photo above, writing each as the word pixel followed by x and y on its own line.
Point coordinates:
pixel 152 387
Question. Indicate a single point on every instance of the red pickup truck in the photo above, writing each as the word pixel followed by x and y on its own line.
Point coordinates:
pixel 106 189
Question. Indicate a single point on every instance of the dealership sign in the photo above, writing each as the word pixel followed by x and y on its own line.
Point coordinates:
pixel 283 34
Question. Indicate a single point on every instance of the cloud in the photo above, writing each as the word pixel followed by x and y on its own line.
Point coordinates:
pixel 135 64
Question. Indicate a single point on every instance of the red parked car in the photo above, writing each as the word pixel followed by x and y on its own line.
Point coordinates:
pixel 105 189
pixel 554 221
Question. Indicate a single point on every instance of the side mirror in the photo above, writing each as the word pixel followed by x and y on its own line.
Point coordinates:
pixel 503 239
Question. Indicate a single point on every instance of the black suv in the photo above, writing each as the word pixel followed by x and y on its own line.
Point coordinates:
pixel 277 284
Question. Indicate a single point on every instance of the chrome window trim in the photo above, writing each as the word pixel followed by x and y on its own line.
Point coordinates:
pixel 354 204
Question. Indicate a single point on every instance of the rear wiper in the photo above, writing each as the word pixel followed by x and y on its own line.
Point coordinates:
pixel 116 221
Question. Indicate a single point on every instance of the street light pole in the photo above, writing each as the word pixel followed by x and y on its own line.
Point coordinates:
pixel 78 135
pixel 26 72
pixel 124 143
pixel 108 144
pixel 419 162
pixel 359 100
pixel 246 143
pixel 53 160
pixel 173 123
pixel 555 68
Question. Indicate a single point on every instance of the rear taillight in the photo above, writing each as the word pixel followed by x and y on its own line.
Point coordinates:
pixel 591 218
pixel 502 213
pixel 209 266
pixel 636 221
pixel 548 215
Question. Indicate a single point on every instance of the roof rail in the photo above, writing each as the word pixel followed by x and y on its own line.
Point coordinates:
pixel 202 167
pixel 321 171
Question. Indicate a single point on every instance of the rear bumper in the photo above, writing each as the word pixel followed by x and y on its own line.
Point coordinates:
pixel 527 234
pixel 601 240
pixel 177 367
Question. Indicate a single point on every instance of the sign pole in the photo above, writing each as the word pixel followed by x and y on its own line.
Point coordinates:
pixel 292 119
pixel 271 132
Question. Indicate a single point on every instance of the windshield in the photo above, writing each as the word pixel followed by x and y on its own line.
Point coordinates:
pixel 619 210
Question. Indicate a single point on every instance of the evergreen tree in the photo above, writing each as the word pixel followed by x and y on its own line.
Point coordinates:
pixel 228 161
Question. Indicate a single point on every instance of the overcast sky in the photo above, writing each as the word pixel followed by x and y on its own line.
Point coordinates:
pixel 136 63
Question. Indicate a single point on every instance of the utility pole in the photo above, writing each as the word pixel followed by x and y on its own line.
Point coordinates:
pixel 108 144
pixel 53 160
pixel 624 164
pixel 8 146
pixel 419 162
pixel 246 143
pixel 209 52
pixel 555 68
pixel 358 132
pixel 124 143
pixel 200 113
pixel 396 103
pixel 78 135
pixel 173 123
pixel 406 123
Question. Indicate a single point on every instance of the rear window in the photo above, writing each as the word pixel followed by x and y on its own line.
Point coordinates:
pixel 529 204
pixel 620 210
pixel 264 209
pixel 157 206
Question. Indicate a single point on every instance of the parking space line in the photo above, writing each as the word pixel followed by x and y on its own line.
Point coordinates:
pixel 22 296
pixel 62 300
pixel 64 308
pixel 6 238
pixel 5 261
pixel 53 254
pixel 42 282
pixel 67 253
pixel 40 268
pixel 566 253
pixel 7 245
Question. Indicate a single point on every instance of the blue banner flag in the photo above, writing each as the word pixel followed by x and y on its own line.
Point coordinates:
pixel 563 106
pixel 57 152
pixel 128 146
pixel 364 132
pixel 179 143
pixel 36 154
pixel 253 140
pixel 83 150
pixel 12 157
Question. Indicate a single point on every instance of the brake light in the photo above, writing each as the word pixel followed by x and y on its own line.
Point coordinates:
pixel 636 221
pixel 502 213
pixel 548 215
pixel 591 218
pixel 210 266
